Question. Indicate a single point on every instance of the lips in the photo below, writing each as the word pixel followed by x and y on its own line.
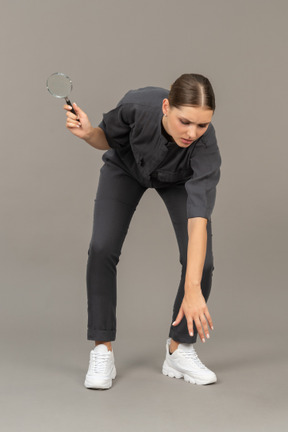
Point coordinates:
pixel 185 141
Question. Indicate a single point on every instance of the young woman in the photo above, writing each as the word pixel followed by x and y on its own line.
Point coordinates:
pixel 162 140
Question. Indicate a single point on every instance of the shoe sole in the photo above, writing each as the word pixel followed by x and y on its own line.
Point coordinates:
pixel 173 373
pixel 104 384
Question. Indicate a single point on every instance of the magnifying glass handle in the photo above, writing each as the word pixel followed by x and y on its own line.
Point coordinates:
pixel 69 103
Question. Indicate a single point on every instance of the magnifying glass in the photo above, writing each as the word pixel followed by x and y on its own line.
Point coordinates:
pixel 59 85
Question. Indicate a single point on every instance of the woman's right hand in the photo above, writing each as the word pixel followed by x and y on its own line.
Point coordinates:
pixel 82 128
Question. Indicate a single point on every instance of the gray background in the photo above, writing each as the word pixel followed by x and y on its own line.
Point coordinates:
pixel 48 184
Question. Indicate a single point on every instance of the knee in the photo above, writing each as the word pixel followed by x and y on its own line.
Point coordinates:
pixel 208 265
pixel 102 251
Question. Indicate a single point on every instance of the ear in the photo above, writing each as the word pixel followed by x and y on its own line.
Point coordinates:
pixel 165 106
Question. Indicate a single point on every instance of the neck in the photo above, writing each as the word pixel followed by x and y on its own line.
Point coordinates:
pixel 164 130
pixel 164 120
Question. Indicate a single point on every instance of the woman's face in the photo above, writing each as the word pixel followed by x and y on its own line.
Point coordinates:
pixel 185 124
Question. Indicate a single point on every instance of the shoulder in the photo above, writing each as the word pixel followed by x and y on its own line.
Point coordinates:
pixel 146 96
pixel 208 139
pixel 209 134
pixel 207 147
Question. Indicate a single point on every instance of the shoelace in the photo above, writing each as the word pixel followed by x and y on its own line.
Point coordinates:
pixel 99 361
pixel 193 355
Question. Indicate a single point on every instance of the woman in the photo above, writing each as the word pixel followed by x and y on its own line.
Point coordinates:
pixel 163 140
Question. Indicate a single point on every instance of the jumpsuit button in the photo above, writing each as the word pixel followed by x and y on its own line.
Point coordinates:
pixel 141 162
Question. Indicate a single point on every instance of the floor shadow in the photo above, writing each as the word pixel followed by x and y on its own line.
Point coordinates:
pixel 249 358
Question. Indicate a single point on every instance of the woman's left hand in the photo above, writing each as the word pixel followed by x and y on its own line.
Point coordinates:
pixel 195 309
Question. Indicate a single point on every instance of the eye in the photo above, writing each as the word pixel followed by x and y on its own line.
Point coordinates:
pixel 203 126
pixel 184 122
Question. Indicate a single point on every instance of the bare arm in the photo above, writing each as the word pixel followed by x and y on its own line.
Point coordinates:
pixel 97 139
pixel 80 126
pixel 196 252
pixel 194 305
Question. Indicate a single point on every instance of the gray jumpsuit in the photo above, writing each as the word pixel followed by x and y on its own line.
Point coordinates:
pixel 143 156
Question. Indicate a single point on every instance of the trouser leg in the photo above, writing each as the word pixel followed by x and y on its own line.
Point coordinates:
pixel 175 199
pixel 117 197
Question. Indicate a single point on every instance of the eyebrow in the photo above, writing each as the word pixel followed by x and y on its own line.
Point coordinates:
pixel 199 124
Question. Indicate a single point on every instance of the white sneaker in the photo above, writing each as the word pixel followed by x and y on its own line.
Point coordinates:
pixel 101 369
pixel 184 363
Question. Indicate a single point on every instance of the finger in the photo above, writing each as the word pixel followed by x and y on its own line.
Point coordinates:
pixel 209 319
pixel 67 107
pixel 205 325
pixel 79 112
pixel 179 317
pixel 73 120
pixel 70 115
pixel 199 328
pixel 70 125
pixel 190 326
pixel 77 109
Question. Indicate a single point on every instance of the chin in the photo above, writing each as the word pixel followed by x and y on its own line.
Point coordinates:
pixel 180 144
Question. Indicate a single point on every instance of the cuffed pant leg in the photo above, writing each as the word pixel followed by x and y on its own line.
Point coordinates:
pixel 175 199
pixel 116 200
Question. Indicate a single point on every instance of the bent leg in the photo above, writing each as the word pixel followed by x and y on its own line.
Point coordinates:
pixel 175 199
pixel 117 197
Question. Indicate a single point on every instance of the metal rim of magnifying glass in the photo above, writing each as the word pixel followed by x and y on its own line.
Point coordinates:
pixel 64 75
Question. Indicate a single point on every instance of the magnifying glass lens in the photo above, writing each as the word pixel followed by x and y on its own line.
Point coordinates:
pixel 59 85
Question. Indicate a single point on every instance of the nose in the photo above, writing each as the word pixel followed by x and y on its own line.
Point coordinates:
pixel 192 132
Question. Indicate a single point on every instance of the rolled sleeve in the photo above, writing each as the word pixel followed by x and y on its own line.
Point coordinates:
pixel 116 125
pixel 201 187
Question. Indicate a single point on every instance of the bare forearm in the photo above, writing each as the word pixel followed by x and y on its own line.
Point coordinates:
pixel 196 252
pixel 97 139
pixel 79 124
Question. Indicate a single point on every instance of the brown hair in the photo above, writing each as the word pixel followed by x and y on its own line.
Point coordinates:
pixel 194 90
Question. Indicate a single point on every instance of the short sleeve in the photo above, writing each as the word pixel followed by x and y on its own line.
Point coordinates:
pixel 116 125
pixel 201 187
